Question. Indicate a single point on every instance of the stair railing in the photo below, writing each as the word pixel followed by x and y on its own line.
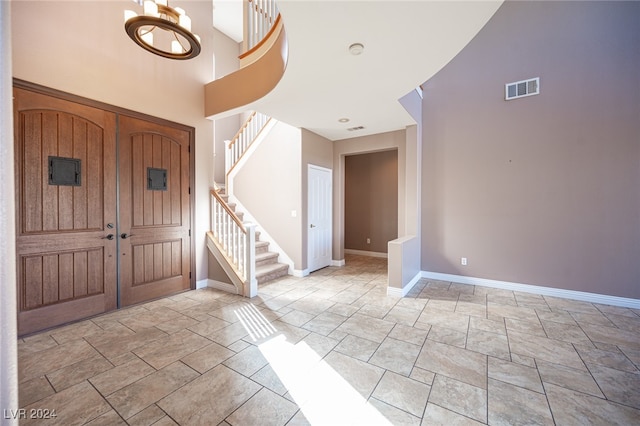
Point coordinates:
pixel 259 18
pixel 248 133
pixel 236 241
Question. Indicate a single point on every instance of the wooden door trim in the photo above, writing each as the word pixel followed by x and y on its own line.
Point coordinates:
pixel 37 88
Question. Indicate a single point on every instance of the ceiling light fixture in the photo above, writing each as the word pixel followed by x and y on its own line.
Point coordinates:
pixel 175 41
pixel 343 120
pixel 356 48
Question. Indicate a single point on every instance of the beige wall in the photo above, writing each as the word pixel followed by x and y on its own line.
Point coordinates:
pixel 361 145
pixel 541 190
pixel 215 270
pixel 269 186
pixel 317 151
pixel 371 201
pixel 82 48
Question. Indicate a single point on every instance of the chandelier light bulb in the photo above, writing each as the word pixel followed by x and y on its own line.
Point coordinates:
pixel 147 38
pixel 150 8
pixel 162 2
pixel 128 14
pixel 176 47
pixel 185 22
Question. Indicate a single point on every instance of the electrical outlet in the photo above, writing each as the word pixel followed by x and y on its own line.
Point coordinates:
pixel 463 261
pixel 368 240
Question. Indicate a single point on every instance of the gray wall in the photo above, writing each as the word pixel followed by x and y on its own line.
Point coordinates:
pixel 541 190
pixel 371 200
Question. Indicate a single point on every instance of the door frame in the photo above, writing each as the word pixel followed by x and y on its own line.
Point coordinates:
pixel 308 224
pixel 37 88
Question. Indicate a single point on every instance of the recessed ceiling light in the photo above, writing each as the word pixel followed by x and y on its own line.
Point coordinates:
pixel 344 120
pixel 356 48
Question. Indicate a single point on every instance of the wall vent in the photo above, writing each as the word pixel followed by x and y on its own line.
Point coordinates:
pixel 353 129
pixel 523 88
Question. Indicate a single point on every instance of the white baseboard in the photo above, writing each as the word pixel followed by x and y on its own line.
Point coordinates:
pixel 340 262
pixel 544 291
pixel 402 292
pixel 300 272
pixel 202 284
pixel 366 253
pixel 219 285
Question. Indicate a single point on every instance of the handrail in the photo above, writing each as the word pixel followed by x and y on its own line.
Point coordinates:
pixel 230 212
pixel 235 241
pixel 236 148
pixel 259 44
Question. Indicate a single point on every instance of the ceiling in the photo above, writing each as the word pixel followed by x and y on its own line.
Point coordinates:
pixel 405 44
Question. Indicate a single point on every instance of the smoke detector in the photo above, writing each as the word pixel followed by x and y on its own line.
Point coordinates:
pixel 356 48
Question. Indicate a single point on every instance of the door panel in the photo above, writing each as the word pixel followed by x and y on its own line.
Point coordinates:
pixel 66 269
pixel 319 217
pixel 155 253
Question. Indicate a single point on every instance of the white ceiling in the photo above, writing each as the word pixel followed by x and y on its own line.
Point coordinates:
pixel 406 43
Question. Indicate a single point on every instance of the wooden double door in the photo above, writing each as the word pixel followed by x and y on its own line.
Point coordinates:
pixel 103 209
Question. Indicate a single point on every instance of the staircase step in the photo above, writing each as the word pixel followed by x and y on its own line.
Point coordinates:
pixel 266 258
pixel 270 272
pixel 261 247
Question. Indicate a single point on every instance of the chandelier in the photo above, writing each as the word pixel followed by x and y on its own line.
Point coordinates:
pixel 163 30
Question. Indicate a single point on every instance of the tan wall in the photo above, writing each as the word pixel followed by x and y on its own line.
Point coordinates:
pixel 82 48
pixel 362 145
pixel 541 190
pixel 215 270
pixel 317 151
pixel 269 186
pixel 371 201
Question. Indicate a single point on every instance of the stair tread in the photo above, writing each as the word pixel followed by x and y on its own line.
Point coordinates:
pixel 268 269
pixel 266 255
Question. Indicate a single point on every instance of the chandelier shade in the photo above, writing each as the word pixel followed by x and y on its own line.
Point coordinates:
pixel 163 30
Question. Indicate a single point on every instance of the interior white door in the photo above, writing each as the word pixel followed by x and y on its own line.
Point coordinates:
pixel 319 228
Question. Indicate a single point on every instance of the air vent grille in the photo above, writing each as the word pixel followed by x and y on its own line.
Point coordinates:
pixel 523 88
pixel 353 129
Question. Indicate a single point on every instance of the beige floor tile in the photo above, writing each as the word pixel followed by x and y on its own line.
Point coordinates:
pixel 34 390
pixel 37 364
pixel 487 325
pixel 513 405
pixel 357 347
pixel 113 346
pixel 513 312
pixel 633 355
pixel 453 320
pixel 165 351
pixel 324 323
pixel 208 357
pixel 575 408
pixel 78 372
pixel 75 331
pixel 73 406
pixel 209 327
pixel 264 408
pixel 596 318
pixel 545 349
pixel 403 393
pixel 270 380
pixel 247 362
pixel 488 343
pixel 613 336
pixel 35 343
pixel 616 310
pixel 609 358
pixel 297 318
pixel 625 322
pixel 177 324
pixel 137 396
pixel 515 374
pixel 374 310
pixel 110 418
pixel 565 332
pixel 408 334
pixel 471 309
pixel 210 393
pixel 319 344
pixel 447 335
pixel 571 305
pixel 437 415
pixel 560 316
pixel 396 356
pixel 366 327
pixel 121 376
pixel 393 415
pixel 528 327
pixel 459 397
pixel 148 416
pixel 570 378
pixel 311 305
pixel 618 386
pixel 422 375
pixel 403 315
pixel 359 375
pixel 461 364
pixel 229 334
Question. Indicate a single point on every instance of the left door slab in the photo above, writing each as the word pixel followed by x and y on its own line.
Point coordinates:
pixel 65 166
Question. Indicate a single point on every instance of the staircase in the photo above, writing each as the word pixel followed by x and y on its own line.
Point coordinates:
pixel 267 267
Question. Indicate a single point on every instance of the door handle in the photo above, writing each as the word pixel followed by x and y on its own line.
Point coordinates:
pixel 312 226
pixel 108 237
pixel 124 235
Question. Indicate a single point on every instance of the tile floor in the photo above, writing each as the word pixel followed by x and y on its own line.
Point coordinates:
pixel 334 349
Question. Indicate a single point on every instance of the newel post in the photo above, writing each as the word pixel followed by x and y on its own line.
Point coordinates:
pixel 250 282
